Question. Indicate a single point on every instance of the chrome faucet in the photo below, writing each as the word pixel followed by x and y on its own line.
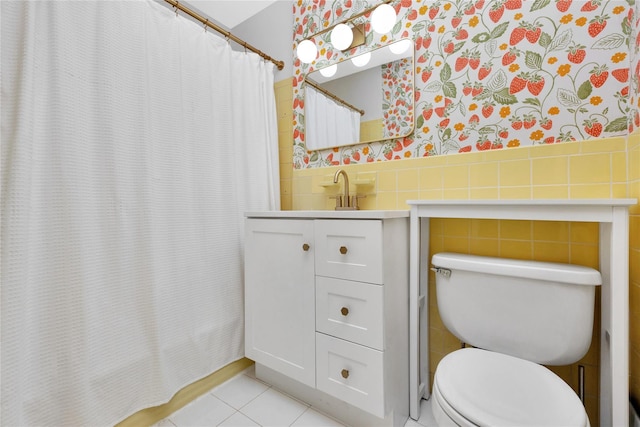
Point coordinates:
pixel 345 202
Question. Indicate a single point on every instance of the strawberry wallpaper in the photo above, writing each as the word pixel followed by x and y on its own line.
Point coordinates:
pixel 397 92
pixel 490 74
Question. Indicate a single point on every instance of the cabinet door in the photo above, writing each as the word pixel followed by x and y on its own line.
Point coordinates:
pixel 280 295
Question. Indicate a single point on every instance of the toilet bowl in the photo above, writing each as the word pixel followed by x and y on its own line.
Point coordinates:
pixel 519 315
pixel 475 387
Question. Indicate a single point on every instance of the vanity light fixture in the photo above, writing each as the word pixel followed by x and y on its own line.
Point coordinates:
pixel 341 36
pixel 400 47
pixel 307 51
pixel 329 71
pixel 383 19
pixel 346 35
pixel 361 60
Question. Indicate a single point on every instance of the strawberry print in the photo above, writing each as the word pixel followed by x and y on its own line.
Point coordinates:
pixel 599 75
pixel 516 123
pixel 621 75
pixel 596 25
pixel 590 6
pixel 484 71
pixel 563 5
pixel 528 121
pixel 533 34
pixel 470 10
pixel 592 127
pixel 496 12
pixel 546 123
pixel 461 34
pixel 518 83
pixel 535 84
pixel 513 4
pixel 456 20
pixel 576 53
pixel 483 145
pixel 517 35
pixel 433 11
pixel 487 110
pixel 462 62
pixel 466 88
pixel 510 56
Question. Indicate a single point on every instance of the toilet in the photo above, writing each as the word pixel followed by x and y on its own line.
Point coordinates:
pixel 516 316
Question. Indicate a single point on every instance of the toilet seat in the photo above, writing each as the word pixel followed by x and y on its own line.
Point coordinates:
pixel 483 388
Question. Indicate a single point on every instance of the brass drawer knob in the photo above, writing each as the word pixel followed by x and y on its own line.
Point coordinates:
pixel 345 374
pixel 343 250
pixel 344 311
pixel 305 247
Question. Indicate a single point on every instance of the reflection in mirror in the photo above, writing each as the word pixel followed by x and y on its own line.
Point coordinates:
pixel 366 98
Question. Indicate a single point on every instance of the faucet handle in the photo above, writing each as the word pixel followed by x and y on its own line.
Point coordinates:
pixel 354 200
pixel 338 198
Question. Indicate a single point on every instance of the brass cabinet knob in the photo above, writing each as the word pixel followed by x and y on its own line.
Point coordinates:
pixel 305 247
pixel 343 250
pixel 344 311
pixel 345 374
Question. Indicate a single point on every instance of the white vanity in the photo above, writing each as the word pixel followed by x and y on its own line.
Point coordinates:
pixel 326 310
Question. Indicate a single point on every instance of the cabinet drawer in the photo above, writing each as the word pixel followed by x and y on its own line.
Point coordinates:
pixel 350 310
pixel 349 250
pixel 350 372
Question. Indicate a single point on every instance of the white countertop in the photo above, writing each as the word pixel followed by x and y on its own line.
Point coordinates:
pixel 331 214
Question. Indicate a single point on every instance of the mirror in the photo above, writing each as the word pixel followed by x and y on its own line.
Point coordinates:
pixel 366 98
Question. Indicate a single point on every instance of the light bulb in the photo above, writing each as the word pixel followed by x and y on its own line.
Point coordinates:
pixel 383 19
pixel 307 51
pixel 329 71
pixel 341 36
pixel 400 47
pixel 361 60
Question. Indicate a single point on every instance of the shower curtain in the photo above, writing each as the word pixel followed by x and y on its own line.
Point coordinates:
pixel 327 122
pixel 132 143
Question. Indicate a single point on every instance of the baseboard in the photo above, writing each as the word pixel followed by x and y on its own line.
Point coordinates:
pixel 186 395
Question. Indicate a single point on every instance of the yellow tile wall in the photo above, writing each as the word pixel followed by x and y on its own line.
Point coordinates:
pixel 284 111
pixel 604 168
pixel 371 130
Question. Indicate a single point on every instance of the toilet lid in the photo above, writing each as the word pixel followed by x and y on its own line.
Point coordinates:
pixel 493 389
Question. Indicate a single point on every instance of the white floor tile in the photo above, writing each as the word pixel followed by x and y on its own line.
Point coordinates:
pixel 313 418
pixel 274 409
pixel 239 391
pixel 238 420
pixel 207 410
pixel 426 414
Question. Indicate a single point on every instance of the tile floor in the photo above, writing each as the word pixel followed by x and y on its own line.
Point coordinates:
pixel 246 401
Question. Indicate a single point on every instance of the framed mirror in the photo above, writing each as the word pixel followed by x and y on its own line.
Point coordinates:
pixel 366 98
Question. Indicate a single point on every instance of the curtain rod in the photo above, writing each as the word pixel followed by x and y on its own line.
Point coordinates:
pixel 227 34
pixel 334 97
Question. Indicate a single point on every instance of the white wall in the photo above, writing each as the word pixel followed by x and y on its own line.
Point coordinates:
pixel 271 31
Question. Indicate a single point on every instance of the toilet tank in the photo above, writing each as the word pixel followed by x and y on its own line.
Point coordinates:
pixel 539 311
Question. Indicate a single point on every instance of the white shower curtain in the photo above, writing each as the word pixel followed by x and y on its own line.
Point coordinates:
pixel 132 143
pixel 328 123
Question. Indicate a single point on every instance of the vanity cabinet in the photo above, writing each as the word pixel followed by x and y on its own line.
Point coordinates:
pixel 326 311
